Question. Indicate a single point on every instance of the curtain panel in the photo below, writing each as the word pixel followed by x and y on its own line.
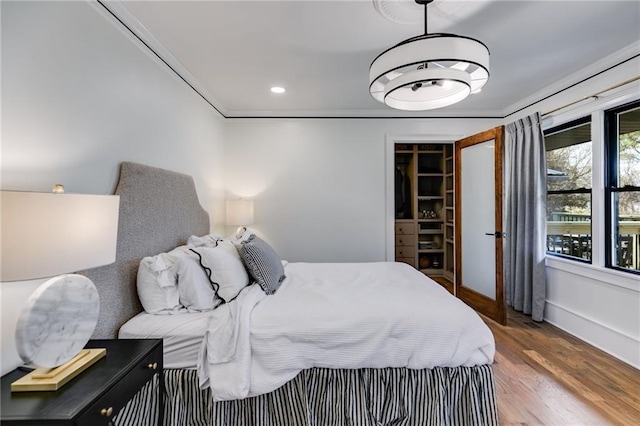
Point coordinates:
pixel 525 191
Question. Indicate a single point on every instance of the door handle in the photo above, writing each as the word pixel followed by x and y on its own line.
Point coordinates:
pixel 496 234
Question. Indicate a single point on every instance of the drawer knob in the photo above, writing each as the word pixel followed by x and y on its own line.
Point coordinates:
pixel 107 412
pixel 152 366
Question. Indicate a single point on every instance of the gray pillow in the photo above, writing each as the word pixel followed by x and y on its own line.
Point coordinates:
pixel 263 263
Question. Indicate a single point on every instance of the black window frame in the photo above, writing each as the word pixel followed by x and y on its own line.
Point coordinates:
pixel 611 175
pixel 553 130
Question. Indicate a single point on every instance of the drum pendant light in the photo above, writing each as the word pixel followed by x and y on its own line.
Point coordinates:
pixel 429 71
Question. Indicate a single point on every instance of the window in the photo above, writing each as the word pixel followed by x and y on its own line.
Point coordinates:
pixel 622 186
pixel 569 166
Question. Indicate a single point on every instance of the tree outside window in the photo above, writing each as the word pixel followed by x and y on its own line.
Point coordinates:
pixel 623 187
pixel 569 174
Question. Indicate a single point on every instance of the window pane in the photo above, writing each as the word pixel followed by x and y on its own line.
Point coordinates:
pixel 629 148
pixel 627 230
pixel 569 170
pixel 569 158
pixel 569 225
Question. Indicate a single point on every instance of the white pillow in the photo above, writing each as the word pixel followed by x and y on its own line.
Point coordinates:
pixel 209 240
pixel 156 282
pixel 196 292
pixel 227 269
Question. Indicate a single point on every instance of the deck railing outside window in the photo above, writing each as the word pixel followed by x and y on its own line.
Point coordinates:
pixel 570 234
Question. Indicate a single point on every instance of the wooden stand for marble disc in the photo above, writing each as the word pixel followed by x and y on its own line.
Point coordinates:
pixel 52 379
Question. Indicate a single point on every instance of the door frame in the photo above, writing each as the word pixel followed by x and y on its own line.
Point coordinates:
pixel 494 309
pixel 390 143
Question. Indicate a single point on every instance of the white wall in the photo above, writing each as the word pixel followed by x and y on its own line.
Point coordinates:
pixel 596 304
pixel 79 96
pixel 319 185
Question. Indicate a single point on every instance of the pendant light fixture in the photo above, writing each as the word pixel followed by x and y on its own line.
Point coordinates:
pixel 429 71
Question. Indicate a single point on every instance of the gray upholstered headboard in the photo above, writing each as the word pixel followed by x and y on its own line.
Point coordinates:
pixel 159 210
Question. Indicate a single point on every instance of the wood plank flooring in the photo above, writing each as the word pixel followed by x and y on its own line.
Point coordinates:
pixel 545 376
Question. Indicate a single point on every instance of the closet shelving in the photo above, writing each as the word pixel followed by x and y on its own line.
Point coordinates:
pixel 424 208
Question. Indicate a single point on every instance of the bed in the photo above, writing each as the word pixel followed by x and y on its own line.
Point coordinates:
pixel 159 211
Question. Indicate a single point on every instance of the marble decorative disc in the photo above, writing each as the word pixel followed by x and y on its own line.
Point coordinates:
pixel 57 320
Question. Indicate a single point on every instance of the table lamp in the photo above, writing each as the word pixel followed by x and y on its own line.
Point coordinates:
pixel 239 213
pixel 44 235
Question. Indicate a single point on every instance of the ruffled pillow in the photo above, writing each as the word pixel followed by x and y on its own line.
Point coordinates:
pixel 156 282
pixel 210 240
pixel 196 292
pixel 225 268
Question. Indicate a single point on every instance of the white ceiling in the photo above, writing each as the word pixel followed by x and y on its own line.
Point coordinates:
pixel 232 52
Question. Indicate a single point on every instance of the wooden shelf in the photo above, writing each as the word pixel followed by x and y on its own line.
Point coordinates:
pixel 430 167
pixel 432 271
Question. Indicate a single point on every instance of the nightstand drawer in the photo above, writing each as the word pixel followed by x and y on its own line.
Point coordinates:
pixel 405 251
pixel 406 228
pixel 103 411
pixel 405 240
pixel 109 383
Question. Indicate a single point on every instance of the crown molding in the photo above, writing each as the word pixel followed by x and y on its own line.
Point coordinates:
pixel 586 73
pixel 367 114
pixel 607 100
pixel 146 41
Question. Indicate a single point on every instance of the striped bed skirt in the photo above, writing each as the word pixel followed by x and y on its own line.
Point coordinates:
pixel 326 397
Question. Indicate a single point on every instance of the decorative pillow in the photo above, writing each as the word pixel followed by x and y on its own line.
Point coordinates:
pixel 263 263
pixel 226 268
pixel 194 288
pixel 209 240
pixel 156 282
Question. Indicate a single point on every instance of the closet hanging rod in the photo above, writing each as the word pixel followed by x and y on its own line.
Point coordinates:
pixel 594 96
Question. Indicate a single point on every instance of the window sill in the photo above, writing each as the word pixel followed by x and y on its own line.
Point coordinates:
pixel 605 275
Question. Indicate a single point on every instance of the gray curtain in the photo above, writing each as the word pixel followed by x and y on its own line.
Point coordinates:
pixel 525 188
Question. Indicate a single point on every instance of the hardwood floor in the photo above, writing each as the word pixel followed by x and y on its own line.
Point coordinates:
pixel 545 376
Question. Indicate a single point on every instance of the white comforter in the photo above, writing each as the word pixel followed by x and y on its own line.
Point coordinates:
pixel 349 315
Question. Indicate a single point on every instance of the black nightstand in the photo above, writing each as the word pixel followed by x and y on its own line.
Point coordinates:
pixel 96 395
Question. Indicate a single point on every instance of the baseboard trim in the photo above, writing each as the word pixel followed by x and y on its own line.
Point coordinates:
pixel 616 343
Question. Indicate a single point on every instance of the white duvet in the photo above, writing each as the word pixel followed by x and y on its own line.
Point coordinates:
pixel 342 315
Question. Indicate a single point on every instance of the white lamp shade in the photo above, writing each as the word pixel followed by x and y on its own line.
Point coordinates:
pixel 239 212
pixel 429 71
pixel 45 234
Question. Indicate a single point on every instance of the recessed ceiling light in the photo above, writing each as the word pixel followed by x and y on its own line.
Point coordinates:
pixel 277 89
